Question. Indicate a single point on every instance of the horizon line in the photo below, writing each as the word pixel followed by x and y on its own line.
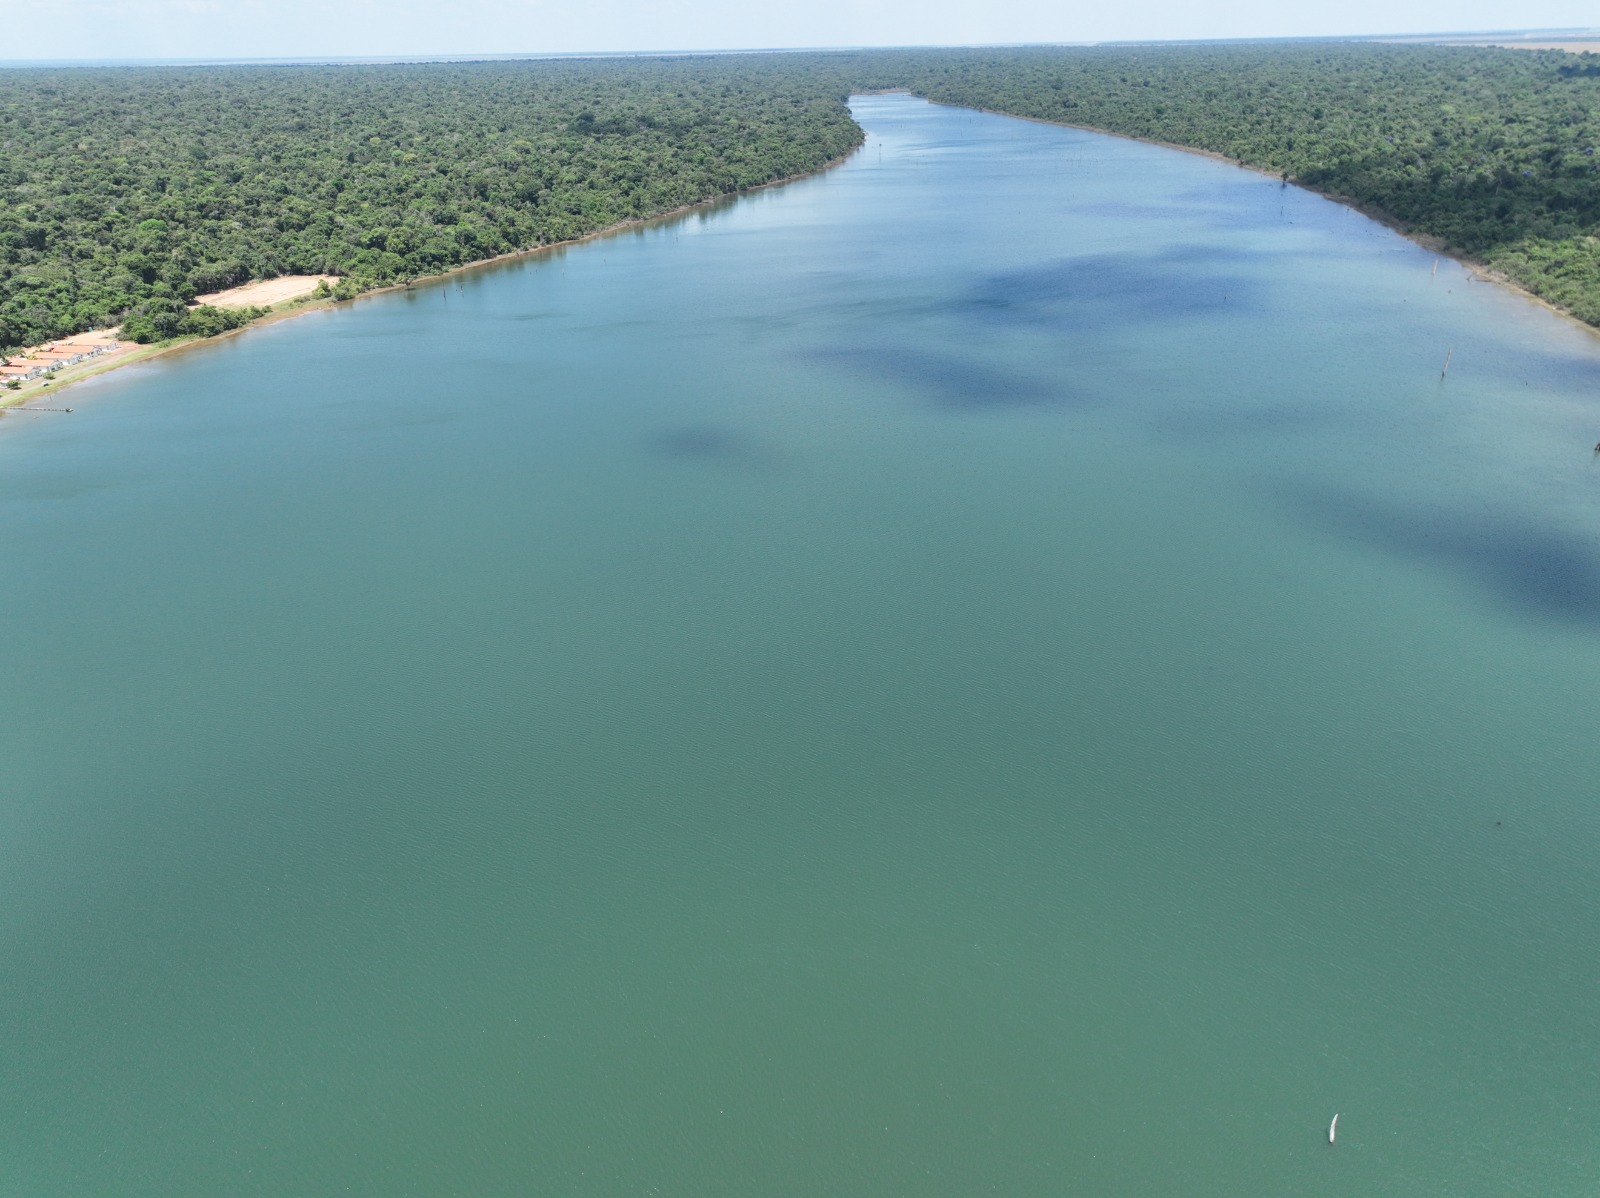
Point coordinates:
pixel 540 55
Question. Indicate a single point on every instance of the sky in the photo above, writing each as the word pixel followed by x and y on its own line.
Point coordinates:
pixel 211 29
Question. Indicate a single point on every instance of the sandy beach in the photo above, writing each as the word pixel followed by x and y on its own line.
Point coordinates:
pixel 265 292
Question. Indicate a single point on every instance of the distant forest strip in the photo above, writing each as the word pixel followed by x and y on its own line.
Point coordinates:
pixel 1496 153
pixel 126 192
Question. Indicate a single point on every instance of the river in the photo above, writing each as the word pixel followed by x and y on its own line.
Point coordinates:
pixel 999 668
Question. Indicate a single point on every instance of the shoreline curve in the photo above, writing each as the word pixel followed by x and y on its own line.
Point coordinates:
pixel 1428 241
pixel 289 309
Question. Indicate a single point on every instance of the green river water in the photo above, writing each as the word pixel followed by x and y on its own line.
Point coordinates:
pixel 1000 668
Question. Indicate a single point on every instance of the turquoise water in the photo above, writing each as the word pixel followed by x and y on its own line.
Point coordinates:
pixel 998 669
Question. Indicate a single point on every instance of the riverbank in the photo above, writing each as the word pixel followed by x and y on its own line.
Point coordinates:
pixel 1478 268
pixel 301 303
pixel 627 694
pixel 292 296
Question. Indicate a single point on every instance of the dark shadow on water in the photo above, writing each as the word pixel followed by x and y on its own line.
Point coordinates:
pixel 1110 289
pixel 1134 210
pixel 1065 297
pixel 1540 572
pixel 1552 369
pixel 952 382
pixel 1228 207
pixel 708 445
pixel 525 317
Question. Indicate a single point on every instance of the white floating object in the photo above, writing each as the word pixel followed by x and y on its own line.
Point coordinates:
pixel 1332 1128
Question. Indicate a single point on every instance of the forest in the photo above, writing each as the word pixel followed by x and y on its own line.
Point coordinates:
pixel 125 192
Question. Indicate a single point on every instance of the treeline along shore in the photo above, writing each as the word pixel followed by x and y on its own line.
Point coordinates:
pixel 127 192
pixel 1491 155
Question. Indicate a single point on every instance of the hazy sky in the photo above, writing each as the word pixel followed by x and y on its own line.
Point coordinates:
pixel 58 29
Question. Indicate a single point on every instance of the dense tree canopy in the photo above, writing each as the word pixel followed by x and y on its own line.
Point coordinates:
pixel 126 191
pixel 123 190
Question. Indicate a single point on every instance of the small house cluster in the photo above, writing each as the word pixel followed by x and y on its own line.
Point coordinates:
pixel 31 363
